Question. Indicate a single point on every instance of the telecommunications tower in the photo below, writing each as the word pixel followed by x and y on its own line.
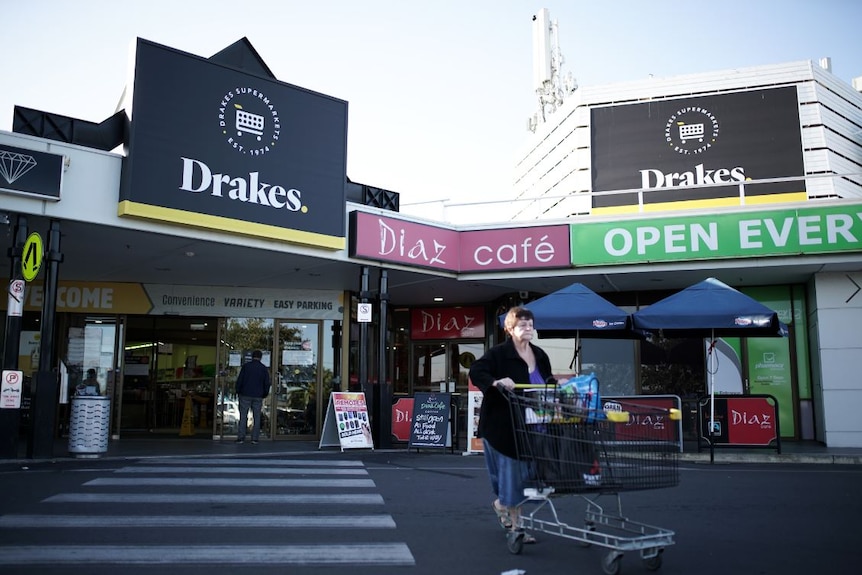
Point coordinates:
pixel 550 84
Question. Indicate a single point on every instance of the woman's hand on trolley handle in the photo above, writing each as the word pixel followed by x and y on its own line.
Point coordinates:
pixel 505 384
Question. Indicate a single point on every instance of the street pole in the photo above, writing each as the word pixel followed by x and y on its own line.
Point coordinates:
pixel 46 385
pixel 384 387
pixel 10 419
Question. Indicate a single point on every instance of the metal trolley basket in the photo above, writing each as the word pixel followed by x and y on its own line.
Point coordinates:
pixel 571 449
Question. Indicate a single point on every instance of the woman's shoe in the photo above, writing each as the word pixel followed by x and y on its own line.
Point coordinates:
pixel 526 538
pixel 502 516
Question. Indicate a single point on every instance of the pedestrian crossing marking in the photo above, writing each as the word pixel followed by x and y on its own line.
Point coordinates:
pixel 230 482
pixel 252 461
pixel 240 470
pixel 389 554
pixel 273 498
pixel 148 476
pixel 381 521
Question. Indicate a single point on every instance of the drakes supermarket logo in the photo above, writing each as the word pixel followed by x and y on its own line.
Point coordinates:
pixel 691 130
pixel 249 121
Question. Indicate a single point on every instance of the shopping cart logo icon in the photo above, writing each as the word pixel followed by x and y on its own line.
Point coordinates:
pixel 690 132
pixel 248 122
pixel 692 129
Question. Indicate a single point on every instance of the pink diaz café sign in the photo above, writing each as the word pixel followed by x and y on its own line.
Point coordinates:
pixel 386 239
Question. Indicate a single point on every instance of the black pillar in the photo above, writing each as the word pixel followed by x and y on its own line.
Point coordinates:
pixel 46 383
pixel 336 355
pixel 10 418
pixel 364 351
pixel 383 440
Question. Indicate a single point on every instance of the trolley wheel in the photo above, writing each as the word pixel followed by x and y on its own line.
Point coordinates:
pixel 612 562
pixel 515 542
pixel 588 526
pixel 653 563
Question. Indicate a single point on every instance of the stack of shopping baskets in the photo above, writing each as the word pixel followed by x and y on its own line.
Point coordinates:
pixel 574 447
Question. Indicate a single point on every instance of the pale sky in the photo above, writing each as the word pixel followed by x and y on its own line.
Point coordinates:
pixel 439 91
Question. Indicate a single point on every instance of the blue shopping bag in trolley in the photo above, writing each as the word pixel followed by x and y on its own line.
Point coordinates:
pixel 582 392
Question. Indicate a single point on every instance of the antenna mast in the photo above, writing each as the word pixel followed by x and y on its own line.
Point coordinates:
pixel 550 84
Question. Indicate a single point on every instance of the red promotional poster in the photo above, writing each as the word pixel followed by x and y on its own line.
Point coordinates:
pixel 402 411
pixel 351 414
pixel 648 416
pixel 750 421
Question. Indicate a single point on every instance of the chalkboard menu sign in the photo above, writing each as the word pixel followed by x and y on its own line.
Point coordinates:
pixel 430 420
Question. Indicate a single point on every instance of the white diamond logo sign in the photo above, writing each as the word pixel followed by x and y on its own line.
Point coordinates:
pixel 14 165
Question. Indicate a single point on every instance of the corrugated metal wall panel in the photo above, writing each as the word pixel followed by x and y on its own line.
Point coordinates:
pixel 844 166
pixel 845 148
pixel 836 85
pixel 820 188
pixel 806 92
pixel 846 108
pixel 810 115
pixel 813 138
pixel 816 162
pixel 838 124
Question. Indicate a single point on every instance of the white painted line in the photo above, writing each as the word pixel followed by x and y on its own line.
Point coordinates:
pixel 184 521
pixel 242 470
pixel 266 498
pixel 347 554
pixel 243 461
pixel 230 482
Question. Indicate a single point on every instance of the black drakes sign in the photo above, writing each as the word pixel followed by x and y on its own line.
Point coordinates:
pixel 671 147
pixel 219 148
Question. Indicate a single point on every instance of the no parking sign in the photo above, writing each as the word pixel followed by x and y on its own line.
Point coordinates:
pixel 10 390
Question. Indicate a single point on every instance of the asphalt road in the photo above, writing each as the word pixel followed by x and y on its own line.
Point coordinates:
pixel 423 513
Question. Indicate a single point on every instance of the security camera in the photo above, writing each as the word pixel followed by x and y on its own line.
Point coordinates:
pixel 523 295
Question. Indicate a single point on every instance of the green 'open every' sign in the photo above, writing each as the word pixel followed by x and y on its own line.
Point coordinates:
pixel 31 258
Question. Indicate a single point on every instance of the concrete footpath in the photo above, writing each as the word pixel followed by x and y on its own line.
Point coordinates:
pixel 149 447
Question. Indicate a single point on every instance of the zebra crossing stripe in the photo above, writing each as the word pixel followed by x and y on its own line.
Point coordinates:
pixel 250 461
pixel 324 554
pixel 381 521
pixel 244 470
pixel 227 482
pixel 273 498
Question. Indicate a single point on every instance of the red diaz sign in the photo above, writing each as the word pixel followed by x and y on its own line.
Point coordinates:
pixel 750 421
pixel 743 420
pixel 402 418
pixel 447 323
pixel 649 417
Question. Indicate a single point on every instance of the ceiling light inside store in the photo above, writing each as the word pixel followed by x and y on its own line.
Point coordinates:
pixel 198 326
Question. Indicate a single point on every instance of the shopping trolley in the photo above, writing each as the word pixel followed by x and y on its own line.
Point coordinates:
pixel 572 448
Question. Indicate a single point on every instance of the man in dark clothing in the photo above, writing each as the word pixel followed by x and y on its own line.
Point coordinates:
pixel 252 386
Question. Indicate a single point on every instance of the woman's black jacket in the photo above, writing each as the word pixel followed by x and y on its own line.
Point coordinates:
pixel 495 420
